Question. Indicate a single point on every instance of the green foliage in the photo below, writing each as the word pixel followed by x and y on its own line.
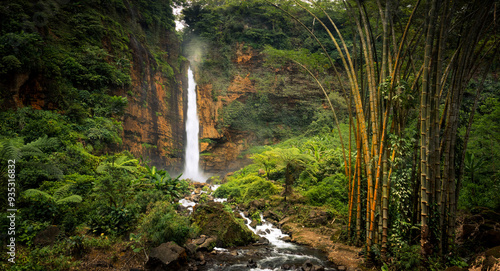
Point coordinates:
pixel 267 159
pixel 111 220
pixel 330 191
pixel 254 22
pixel 315 168
pixel 60 196
pixel 268 116
pixel 29 229
pixel 407 258
pixel 315 62
pixel 480 185
pixel 247 188
pixel 15 149
pixel 162 224
pixel 19 52
pixel 90 70
pixel 160 180
pixel 56 257
pixel 144 198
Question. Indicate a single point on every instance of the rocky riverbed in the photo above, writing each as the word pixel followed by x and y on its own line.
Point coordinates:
pixel 231 240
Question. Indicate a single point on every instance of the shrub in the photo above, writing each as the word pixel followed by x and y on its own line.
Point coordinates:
pixel 162 224
pixel 111 220
pixel 143 199
pixel 407 257
pixel 331 191
pixel 260 188
pixel 228 190
pixel 247 188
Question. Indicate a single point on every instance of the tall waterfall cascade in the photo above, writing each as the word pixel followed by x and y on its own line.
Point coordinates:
pixel 192 165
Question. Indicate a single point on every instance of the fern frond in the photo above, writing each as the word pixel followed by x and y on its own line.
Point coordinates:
pixel 130 169
pixel 70 199
pixel 44 142
pixel 102 167
pixel 61 192
pixel 34 193
pixel 10 150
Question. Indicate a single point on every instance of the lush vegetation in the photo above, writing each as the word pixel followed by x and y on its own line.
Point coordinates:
pixel 422 111
pixel 309 166
pixel 286 99
pixel 415 111
pixel 64 130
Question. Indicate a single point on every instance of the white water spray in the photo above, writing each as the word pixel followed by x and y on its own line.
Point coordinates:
pixel 192 165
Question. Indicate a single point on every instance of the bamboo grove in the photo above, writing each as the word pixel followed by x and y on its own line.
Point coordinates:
pixel 408 58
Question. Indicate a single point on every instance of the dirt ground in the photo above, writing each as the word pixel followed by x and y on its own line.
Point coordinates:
pixel 320 238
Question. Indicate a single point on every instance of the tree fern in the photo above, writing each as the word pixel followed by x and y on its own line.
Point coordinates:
pixel 43 142
pixel 60 196
pixel 70 199
pixel 14 148
pixel 122 162
pixel 35 193
pixel 62 192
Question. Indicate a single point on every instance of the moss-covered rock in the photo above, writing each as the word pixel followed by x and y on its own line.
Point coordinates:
pixel 213 220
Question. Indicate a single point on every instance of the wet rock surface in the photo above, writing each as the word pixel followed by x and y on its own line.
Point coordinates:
pixel 167 256
pixel 272 249
pixel 213 220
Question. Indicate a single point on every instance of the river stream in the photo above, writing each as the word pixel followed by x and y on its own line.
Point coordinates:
pixel 274 256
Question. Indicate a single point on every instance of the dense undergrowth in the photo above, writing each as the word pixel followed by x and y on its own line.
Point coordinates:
pixel 313 164
pixel 67 173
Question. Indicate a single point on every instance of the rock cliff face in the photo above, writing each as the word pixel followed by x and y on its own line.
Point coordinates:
pixel 136 33
pixel 262 102
pixel 221 147
pixel 153 125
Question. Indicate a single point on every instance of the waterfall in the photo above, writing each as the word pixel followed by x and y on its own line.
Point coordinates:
pixel 192 155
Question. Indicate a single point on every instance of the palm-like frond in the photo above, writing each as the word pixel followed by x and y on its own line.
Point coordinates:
pixel 35 193
pixel 42 143
pixel 70 199
pixel 9 148
pixel 14 148
pixel 60 195
pixel 122 162
pixel 62 192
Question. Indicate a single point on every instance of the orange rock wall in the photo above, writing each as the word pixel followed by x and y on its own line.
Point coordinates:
pixel 153 125
pixel 224 152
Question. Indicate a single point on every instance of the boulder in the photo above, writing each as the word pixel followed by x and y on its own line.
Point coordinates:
pixel 491 238
pixel 468 230
pixel 257 204
pixel 208 245
pixel 285 220
pixel 167 256
pixel 191 248
pixel 271 215
pixel 47 237
pixel 262 241
pixel 214 221
pixel 252 264
pixel 254 223
pixel 203 243
pixel 318 217
pixel 495 252
pixel 308 266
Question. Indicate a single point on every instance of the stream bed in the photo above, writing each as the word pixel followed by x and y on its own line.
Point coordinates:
pixel 273 255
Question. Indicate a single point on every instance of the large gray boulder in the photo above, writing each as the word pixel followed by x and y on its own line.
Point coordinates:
pixel 167 256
